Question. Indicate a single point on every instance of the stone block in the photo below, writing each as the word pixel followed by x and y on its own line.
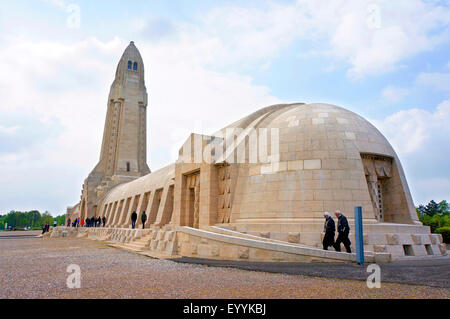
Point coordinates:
pixel 381 258
pixel 379 248
pixel 417 239
pixel 395 250
pixel 419 250
pixel 294 237
pixel 264 234
pixel 243 252
pixel 215 251
pixel 392 239
pixel 312 164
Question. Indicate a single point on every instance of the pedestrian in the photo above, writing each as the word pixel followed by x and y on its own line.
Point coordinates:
pixel 133 219
pixel 329 228
pixel 343 230
pixel 99 221
pixel 82 223
pixel 55 223
pixel 68 222
pixel 43 229
pixel 143 219
pixel 92 221
pixel 104 221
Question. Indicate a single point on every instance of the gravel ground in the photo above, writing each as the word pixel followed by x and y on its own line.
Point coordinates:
pixel 36 268
pixel 433 272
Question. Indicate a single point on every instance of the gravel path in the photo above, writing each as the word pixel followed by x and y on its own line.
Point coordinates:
pixel 36 268
pixel 433 272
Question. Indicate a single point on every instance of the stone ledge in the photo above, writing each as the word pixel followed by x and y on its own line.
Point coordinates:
pixel 282 248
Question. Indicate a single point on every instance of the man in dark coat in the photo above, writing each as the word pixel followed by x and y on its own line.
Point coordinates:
pixel 92 221
pixel 133 219
pixel 104 221
pixel 143 219
pixel 343 229
pixel 329 228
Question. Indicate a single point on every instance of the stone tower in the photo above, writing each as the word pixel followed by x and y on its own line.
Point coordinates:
pixel 123 152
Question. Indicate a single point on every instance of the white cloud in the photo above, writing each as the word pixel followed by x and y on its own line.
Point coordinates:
pixel 369 41
pixel 393 94
pixel 9 130
pixel 421 139
pixel 409 131
pixel 436 80
pixel 69 83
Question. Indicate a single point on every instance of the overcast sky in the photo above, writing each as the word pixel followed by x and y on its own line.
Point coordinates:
pixel 209 63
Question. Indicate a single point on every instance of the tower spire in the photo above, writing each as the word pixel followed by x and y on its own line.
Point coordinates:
pixel 123 155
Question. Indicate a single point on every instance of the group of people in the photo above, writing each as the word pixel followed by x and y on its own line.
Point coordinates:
pixel 88 222
pixel 134 219
pixel 330 228
pixel 45 228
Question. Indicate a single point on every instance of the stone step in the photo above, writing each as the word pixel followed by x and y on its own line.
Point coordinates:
pixel 136 246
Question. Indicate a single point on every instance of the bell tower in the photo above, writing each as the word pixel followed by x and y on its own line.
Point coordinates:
pixel 123 155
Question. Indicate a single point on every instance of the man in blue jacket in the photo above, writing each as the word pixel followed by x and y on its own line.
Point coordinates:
pixel 343 231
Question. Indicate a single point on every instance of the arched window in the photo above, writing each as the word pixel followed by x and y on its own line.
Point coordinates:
pixel 135 66
pixel 129 65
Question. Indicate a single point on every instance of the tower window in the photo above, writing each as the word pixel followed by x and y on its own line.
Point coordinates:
pixel 129 65
pixel 135 66
pixel 128 166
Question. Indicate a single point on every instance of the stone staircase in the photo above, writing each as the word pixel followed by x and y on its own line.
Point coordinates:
pixel 155 242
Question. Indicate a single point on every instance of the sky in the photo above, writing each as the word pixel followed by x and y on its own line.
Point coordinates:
pixel 207 64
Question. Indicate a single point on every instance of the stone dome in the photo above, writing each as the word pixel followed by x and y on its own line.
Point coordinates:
pixel 329 158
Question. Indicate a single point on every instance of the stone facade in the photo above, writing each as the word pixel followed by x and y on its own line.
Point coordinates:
pixel 257 189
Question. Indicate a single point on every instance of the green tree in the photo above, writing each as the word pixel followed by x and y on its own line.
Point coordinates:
pixel 444 207
pixel 46 218
pixel 432 208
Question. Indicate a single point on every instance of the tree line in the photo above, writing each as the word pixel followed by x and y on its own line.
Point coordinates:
pixel 437 216
pixel 33 219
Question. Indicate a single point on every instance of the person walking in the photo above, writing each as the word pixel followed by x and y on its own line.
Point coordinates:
pixel 343 230
pixel 104 221
pixel 143 219
pixel 55 223
pixel 68 222
pixel 133 219
pixel 92 221
pixel 329 229
pixel 82 223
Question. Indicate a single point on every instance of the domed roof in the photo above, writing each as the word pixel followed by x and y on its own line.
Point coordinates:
pixel 321 128
pixel 328 127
